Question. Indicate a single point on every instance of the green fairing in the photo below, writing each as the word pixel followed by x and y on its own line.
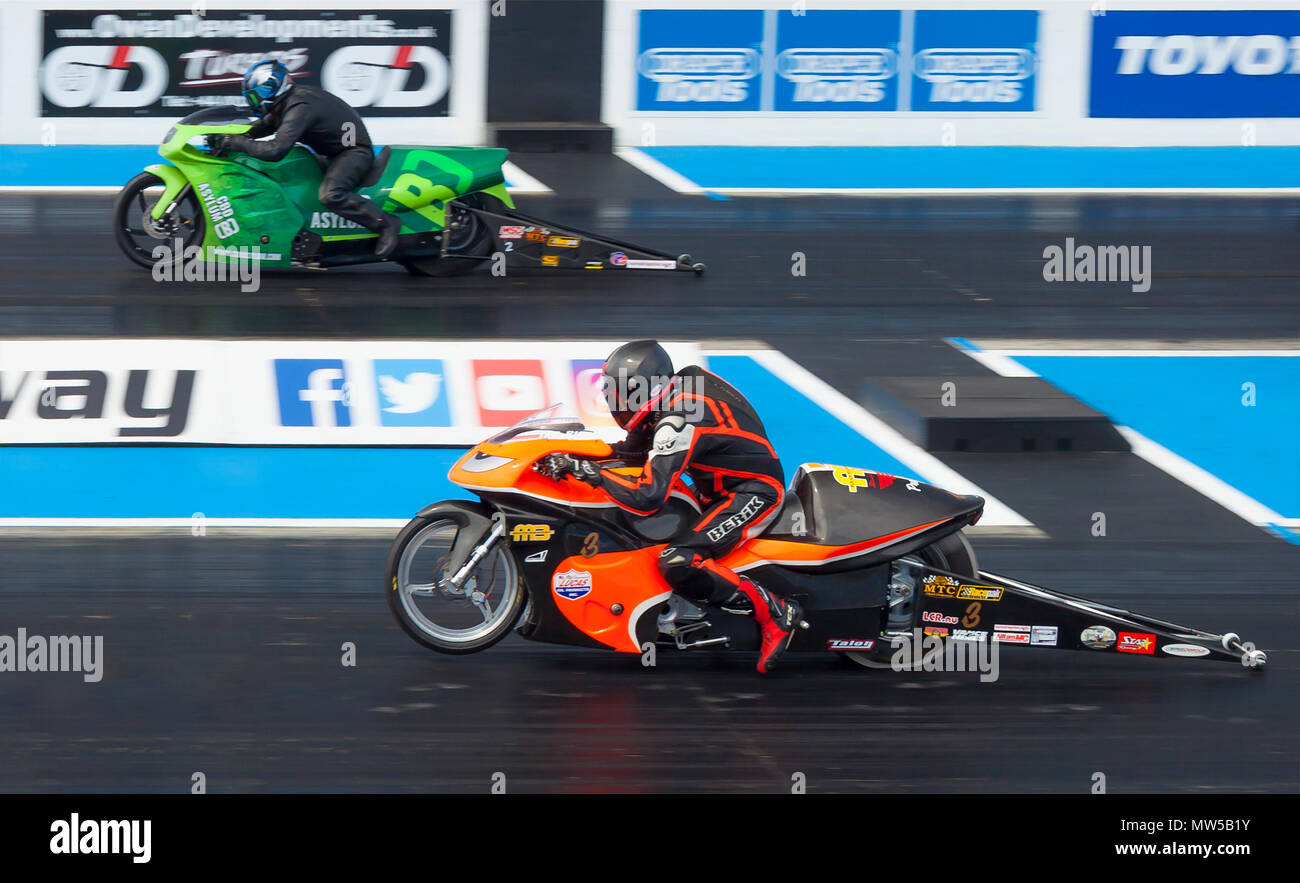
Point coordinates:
pixel 415 186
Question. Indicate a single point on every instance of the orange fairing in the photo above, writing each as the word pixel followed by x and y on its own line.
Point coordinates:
pixel 586 591
pixel 509 467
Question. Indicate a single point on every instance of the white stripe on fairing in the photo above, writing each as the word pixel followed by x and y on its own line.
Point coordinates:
pixel 666 176
pixel 1211 486
pixel 640 609
pixel 187 523
pixel 562 502
pixel 927 467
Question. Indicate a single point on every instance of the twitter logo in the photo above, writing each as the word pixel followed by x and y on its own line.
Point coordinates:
pixel 412 392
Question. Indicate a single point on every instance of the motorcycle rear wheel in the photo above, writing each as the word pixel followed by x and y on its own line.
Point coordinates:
pixel 467 235
pixel 953 553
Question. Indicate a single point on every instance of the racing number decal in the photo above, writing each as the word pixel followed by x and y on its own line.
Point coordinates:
pixel 972 617
pixel 590 544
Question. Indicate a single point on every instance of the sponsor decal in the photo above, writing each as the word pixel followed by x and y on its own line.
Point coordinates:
pixel 313 392
pixel 969 635
pixel 531 533
pixel 563 242
pixel 856 478
pixel 651 265
pixel 1195 64
pixel 571 584
pixel 537 557
pixel 936 631
pixel 1130 642
pixel 510 232
pixel 850 644
pixel 593 265
pixel 699 59
pixel 974 60
pixel 1011 637
pixel 618 259
pixel 220 211
pixel 550 260
pixel 1097 637
pixel 935 616
pixel 1011 628
pixel 1185 650
pixel 508 390
pixel 747 513
pixel 836 60
pixel 1043 636
pixel 939 586
pixel 331 221
pixel 536 234
pixel 412 392
pixel 165 63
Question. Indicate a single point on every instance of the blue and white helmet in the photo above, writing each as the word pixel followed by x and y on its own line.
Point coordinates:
pixel 266 83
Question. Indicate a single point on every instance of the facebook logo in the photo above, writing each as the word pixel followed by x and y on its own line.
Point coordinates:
pixel 313 392
pixel 412 392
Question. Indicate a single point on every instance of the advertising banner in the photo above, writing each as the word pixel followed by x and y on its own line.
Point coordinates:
pixel 1203 64
pixel 819 61
pixel 295 392
pixel 162 63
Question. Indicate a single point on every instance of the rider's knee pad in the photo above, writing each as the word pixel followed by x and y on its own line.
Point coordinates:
pixel 680 568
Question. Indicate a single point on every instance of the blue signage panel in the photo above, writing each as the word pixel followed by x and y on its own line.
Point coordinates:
pixel 1196 64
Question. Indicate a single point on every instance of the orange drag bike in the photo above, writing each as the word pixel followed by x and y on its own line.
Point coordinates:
pixel 871 557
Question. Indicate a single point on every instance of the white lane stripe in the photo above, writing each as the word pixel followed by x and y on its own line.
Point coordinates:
pixel 646 163
pixel 996 362
pixel 926 466
pixel 1008 354
pixel 519 181
pixel 1204 482
pixel 998 191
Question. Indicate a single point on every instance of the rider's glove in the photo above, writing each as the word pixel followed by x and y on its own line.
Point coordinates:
pixel 219 144
pixel 557 466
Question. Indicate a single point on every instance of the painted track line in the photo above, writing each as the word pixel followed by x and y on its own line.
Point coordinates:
pixel 666 176
pixel 1002 361
pixel 882 434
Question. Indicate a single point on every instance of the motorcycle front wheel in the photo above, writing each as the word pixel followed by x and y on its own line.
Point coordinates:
pixel 138 234
pixel 437 614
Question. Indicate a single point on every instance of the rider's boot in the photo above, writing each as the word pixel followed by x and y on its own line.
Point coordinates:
pixel 778 619
pixel 369 215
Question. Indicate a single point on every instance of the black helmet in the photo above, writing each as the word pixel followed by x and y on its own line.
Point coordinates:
pixel 635 375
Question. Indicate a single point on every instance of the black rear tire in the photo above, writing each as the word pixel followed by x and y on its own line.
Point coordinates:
pixel 953 553
pixel 470 236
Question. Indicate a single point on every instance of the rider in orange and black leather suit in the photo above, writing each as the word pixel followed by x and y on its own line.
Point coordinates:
pixel 693 422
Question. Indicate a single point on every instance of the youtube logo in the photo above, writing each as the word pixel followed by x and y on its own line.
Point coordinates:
pixel 508 390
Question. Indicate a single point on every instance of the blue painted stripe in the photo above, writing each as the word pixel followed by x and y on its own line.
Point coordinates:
pixel 73 165
pixel 233 482
pixel 1194 406
pixel 832 168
